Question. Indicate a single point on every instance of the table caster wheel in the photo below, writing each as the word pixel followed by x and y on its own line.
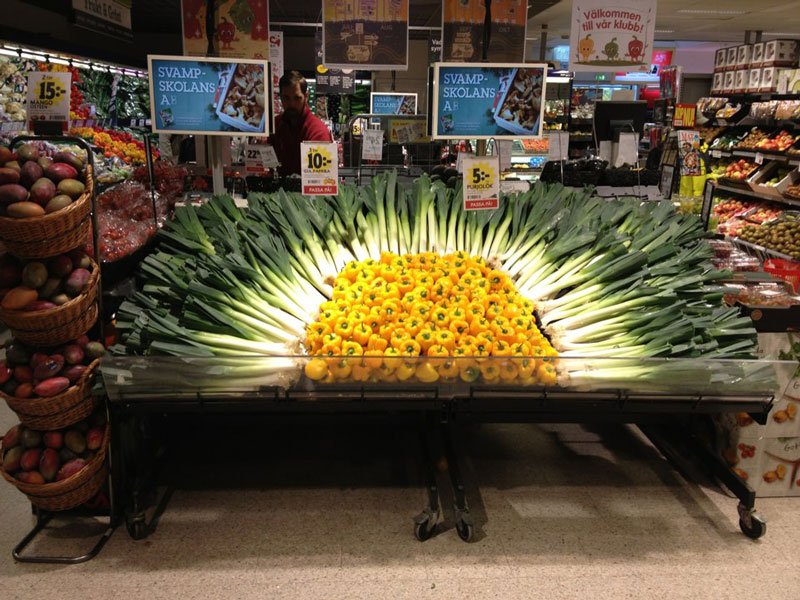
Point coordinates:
pixel 465 530
pixel 756 528
pixel 137 527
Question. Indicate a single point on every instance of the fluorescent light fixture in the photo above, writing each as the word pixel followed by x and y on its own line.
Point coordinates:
pixel 700 11
pixel 665 31
pixel 59 61
pixel 795 33
pixel 557 79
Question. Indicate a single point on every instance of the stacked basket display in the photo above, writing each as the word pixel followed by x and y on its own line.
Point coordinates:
pixel 49 291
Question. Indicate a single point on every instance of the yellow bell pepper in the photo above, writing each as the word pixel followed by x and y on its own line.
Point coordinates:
pixel 459 327
pixel 373 358
pixel 350 348
pixel 316 369
pixel 425 338
pixel 446 339
pixel 437 350
pixel 427 373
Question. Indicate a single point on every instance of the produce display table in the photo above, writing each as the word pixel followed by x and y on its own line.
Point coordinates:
pixel 141 387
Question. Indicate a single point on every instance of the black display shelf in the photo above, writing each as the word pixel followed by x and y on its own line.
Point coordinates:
pixel 751 194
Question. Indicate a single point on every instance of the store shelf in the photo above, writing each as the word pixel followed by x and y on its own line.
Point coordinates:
pixel 759 250
pixel 581 137
pixel 751 194
pixel 751 154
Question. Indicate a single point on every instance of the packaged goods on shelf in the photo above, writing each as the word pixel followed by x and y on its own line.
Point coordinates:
pixel 789 82
pixel 787 110
pixel 780 53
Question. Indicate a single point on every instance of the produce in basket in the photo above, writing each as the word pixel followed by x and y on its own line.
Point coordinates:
pixel 615 278
pixel 43 284
pixel 32 185
pixel 46 372
pixel 48 456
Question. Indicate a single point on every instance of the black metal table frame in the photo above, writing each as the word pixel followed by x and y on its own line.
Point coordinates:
pixel 440 421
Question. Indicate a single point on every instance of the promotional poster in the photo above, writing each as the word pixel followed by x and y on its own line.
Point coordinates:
pixel 488 100
pixel 208 96
pixel 463 25
pixel 389 103
pixel 365 34
pixel 242 28
pixel 612 36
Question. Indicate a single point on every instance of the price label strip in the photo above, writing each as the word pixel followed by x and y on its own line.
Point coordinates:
pixel 481 178
pixel 49 96
pixel 319 168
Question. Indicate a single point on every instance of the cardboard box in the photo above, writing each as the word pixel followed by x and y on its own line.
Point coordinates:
pixel 754 80
pixel 780 53
pixel 716 84
pixel 788 81
pixel 741 81
pixel 730 58
pixel 744 55
pixel 728 82
pixel 719 60
pixel 769 81
pixel 757 56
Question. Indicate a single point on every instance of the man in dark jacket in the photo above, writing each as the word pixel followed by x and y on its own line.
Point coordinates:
pixel 296 124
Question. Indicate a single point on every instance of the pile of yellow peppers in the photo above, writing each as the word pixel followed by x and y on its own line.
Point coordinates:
pixel 425 317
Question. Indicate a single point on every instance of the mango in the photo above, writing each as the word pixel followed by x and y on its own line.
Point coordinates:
pixel 54 440
pixel 30 459
pixel 75 441
pixel 59 171
pixel 71 468
pixel 60 299
pixel 24 210
pixel 71 187
pixel 19 298
pixel 94 350
pixel 34 274
pixel 13 437
pixel 94 438
pixel 60 266
pixel 50 288
pixel 27 152
pixel 13 164
pixel 23 374
pixel 12 459
pixel 5 154
pixel 38 358
pixel 12 193
pixel 31 438
pixel 69 158
pixel 30 172
pixel 47 370
pixel 31 477
pixel 24 390
pixel 39 305
pixel 8 176
pixel 57 203
pixel 42 191
pixel 74 354
pixel 76 282
pixel 51 387
pixel 17 354
pixel 44 162
pixel 80 260
pixel 66 455
pixel 74 372
pixel 49 464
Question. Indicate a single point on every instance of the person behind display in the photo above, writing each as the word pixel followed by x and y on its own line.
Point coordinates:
pixel 296 124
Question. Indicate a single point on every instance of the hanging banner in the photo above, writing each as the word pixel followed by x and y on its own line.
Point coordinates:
pixel 336 81
pixel 612 36
pixel 481 178
pixel 276 65
pixel 242 28
pixel 109 17
pixel 434 47
pixel 319 168
pixel 49 96
pixel 365 34
pixel 463 24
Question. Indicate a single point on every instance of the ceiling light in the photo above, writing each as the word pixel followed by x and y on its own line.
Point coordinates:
pixel 665 31
pixel 779 33
pixel 697 11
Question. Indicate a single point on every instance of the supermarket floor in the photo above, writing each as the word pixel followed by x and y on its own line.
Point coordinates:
pixel 573 512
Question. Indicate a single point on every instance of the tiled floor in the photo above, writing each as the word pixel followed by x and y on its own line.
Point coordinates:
pixel 573 512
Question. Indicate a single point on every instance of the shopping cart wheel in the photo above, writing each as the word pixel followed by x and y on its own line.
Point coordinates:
pixel 465 530
pixel 424 531
pixel 755 528
pixel 136 526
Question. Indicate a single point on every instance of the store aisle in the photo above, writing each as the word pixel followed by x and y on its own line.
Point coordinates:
pixel 573 512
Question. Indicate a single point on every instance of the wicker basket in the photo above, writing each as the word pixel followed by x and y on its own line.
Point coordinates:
pixel 57 325
pixel 57 412
pixel 56 233
pixel 71 492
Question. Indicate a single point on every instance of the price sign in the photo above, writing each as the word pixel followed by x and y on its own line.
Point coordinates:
pixel 481 183
pixel 372 145
pixel 558 145
pixel 49 96
pixel 260 157
pixel 716 154
pixel 319 168
pixel 460 157
pixel 759 158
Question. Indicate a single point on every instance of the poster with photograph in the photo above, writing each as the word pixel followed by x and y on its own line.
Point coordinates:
pixel 392 103
pixel 689 151
pixel 487 100
pixel 242 28
pixel 276 66
pixel 616 36
pixel 365 34
pixel 208 96
pixel 463 27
